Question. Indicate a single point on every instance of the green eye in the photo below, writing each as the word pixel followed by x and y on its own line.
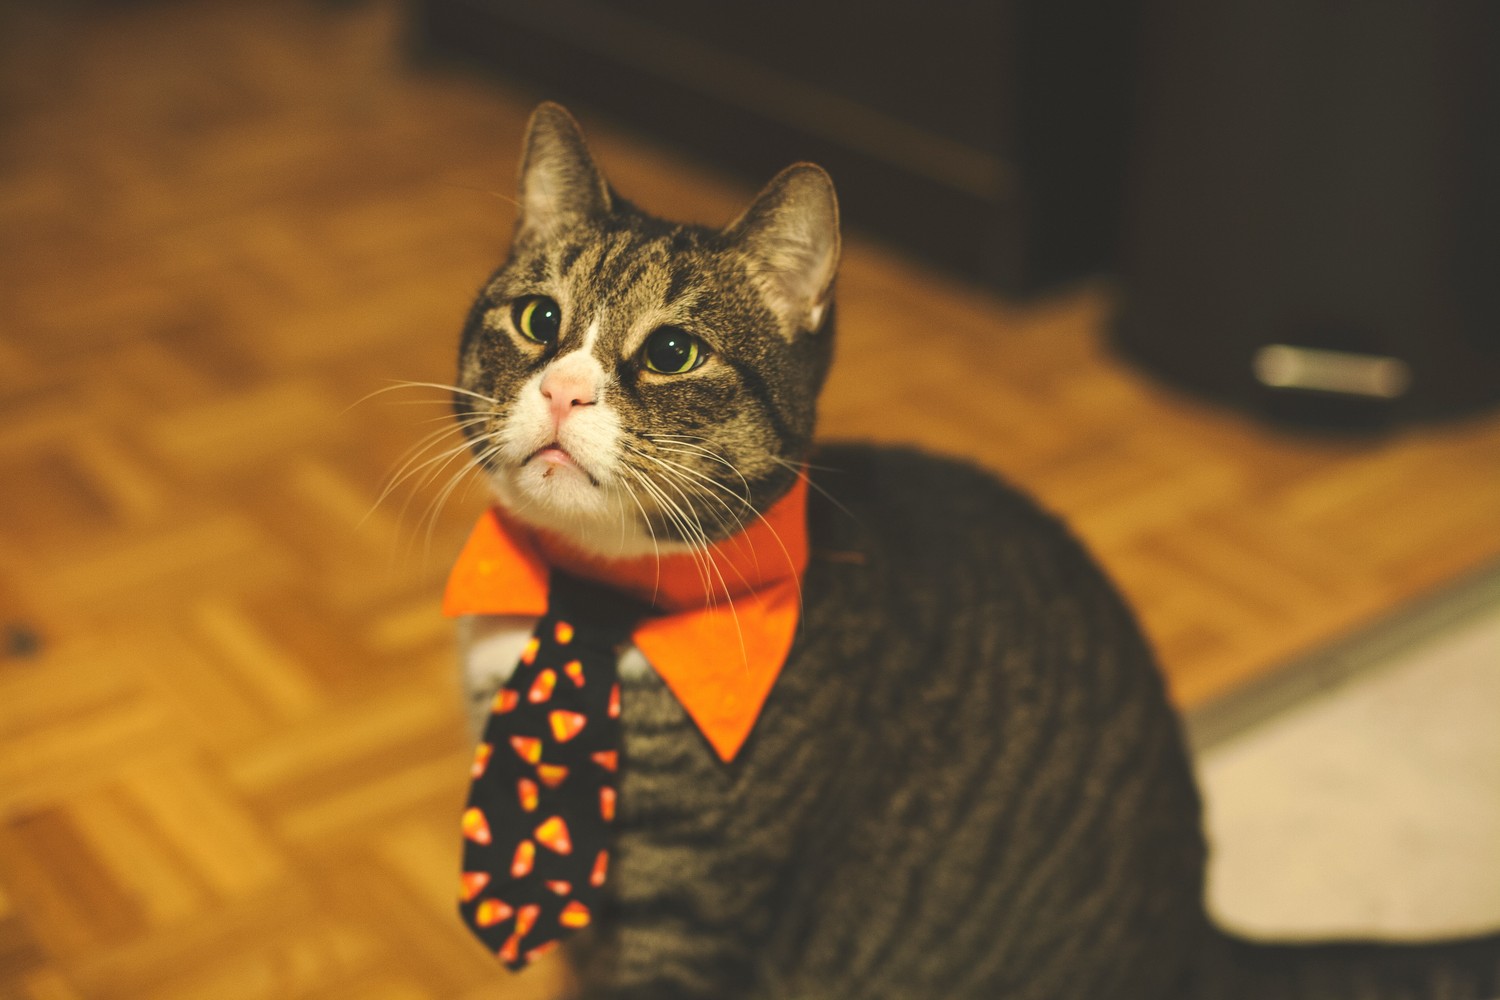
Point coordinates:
pixel 538 318
pixel 670 351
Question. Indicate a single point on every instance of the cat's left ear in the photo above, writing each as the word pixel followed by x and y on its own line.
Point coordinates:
pixel 790 237
pixel 560 185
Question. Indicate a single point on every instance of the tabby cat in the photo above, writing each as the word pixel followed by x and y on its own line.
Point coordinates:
pixel 967 781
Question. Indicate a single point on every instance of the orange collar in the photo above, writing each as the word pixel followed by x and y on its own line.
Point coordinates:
pixel 745 619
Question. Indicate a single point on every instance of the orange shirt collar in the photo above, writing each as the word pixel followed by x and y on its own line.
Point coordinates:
pixel 725 628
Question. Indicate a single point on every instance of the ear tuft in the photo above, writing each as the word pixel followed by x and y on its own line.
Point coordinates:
pixel 790 234
pixel 560 185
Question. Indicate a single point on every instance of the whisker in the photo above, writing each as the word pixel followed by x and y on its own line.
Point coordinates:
pixel 678 470
pixel 410 463
pixel 435 507
pixel 412 466
pixel 800 473
pixel 710 562
pixel 403 384
pixel 697 543
pixel 646 520
pixel 775 458
pixel 481 190
pixel 712 456
pixel 680 492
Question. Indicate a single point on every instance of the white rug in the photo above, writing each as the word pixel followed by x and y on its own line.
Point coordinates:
pixel 1371 807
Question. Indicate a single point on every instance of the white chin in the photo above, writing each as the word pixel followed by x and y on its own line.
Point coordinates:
pixel 563 489
pixel 563 501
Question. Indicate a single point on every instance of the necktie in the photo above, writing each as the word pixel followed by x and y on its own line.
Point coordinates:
pixel 536 826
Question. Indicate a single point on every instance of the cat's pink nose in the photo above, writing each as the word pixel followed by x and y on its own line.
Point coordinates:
pixel 565 390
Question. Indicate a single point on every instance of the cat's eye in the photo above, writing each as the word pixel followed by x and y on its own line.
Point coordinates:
pixel 670 351
pixel 538 318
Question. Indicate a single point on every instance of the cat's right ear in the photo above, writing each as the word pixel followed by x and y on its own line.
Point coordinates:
pixel 560 185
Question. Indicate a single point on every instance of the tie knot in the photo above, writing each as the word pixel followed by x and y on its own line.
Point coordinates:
pixel 596 615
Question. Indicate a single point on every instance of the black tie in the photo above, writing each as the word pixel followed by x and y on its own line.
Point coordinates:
pixel 536 828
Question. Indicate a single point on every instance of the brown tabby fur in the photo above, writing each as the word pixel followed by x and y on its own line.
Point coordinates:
pixel 968 782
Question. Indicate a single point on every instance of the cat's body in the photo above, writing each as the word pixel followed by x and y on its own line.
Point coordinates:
pixel 967 781
pixel 906 818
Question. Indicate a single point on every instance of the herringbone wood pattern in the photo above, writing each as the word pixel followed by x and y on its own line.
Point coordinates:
pixel 232 765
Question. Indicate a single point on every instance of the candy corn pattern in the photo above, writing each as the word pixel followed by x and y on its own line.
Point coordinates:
pixel 544 794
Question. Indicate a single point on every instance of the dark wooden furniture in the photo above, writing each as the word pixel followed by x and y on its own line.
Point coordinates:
pixel 1315 230
pixel 987 137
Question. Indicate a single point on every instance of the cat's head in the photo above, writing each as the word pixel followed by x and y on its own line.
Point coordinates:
pixel 631 384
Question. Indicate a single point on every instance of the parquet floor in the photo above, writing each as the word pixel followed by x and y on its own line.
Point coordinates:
pixel 231 754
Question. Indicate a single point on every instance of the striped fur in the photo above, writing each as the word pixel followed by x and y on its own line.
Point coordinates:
pixel 968 782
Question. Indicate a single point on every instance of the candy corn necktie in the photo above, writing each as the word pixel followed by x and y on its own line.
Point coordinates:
pixel 536 827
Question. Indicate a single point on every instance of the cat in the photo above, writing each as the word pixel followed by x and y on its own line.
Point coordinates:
pixel 967 781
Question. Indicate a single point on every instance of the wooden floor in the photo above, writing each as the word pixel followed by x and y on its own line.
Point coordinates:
pixel 231 755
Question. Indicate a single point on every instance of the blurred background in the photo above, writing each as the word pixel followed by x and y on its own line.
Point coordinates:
pixel 1218 286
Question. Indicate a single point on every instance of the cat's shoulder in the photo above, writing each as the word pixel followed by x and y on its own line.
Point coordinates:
pixel 901 537
pixel 909 517
pixel 888 487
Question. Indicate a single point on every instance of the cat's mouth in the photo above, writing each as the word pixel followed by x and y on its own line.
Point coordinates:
pixel 554 458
